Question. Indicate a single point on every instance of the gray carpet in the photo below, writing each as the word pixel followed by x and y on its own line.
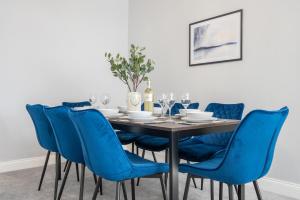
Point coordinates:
pixel 22 185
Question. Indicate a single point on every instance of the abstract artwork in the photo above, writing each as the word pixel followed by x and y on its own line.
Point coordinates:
pixel 217 39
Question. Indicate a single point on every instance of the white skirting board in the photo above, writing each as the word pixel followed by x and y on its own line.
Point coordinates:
pixel 26 163
pixel 281 187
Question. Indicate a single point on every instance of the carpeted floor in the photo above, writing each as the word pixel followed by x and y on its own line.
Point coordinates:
pixel 22 185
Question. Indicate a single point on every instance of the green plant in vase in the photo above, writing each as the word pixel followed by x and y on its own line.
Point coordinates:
pixel 132 72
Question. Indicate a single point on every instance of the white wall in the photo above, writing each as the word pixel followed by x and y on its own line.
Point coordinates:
pixel 268 76
pixel 51 51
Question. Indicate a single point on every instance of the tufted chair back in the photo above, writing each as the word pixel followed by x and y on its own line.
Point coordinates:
pixel 223 111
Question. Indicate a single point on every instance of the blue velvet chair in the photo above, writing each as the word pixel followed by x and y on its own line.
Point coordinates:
pixel 104 155
pixel 157 144
pixel 45 137
pixel 201 148
pixel 76 104
pixel 67 142
pixel 248 155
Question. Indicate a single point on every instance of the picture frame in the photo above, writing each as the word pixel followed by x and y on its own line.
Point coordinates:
pixel 217 39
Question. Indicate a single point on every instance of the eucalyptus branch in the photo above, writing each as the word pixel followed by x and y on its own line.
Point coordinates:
pixel 132 71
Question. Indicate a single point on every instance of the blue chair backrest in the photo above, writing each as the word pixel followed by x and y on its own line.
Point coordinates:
pixel 222 111
pixel 42 126
pixel 102 150
pixel 65 133
pixel 226 111
pixel 76 104
pixel 250 151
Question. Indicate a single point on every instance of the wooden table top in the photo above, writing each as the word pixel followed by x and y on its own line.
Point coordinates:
pixel 161 129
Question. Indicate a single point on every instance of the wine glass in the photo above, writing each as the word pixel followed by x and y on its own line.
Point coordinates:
pixel 185 101
pixel 162 102
pixel 93 99
pixel 170 102
pixel 105 99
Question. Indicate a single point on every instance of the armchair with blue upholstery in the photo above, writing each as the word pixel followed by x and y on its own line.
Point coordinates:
pixel 68 143
pixel 45 137
pixel 248 155
pixel 104 155
pixel 203 147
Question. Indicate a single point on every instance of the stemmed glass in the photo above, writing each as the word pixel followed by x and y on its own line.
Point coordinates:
pixel 93 99
pixel 105 99
pixel 185 101
pixel 170 102
pixel 162 102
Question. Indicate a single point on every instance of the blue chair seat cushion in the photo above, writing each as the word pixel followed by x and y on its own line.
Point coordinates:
pixel 126 138
pixel 197 152
pixel 153 143
pixel 201 168
pixel 143 167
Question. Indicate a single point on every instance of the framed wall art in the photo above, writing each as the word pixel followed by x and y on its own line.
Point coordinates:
pixel 217 39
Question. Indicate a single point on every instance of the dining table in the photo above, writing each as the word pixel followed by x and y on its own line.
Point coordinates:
pixel 174 131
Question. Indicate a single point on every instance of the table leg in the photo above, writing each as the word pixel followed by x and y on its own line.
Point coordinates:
pixel 173 163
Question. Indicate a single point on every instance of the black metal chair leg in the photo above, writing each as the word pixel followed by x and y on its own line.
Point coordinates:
pixel 137 151
pixel 236 187
pixel 59 167
pixel 143 156
pixel 212 190
pixel 44 170
pixel 221 191
pixel 118 196
pixel 194 182
pixel 64 181
pixel 166 161
pixel 132 147
pixel 202 183
pixel 257 190
pixel 96 189
pixel 65 167
pixel 241 193
pixel 56 175
pixel 132 189
pixel 163 187
pixel 95 178
pixel 77 171
pixel 230 192
pixel 193 178
pixel 101 191
pixel 82 182
pixel 187 187
pixel 124 190
pixel 154 157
